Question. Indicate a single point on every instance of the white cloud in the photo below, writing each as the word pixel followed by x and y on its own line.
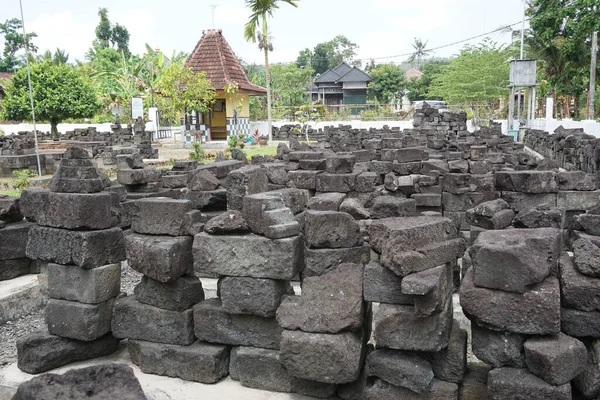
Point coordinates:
pixel 229 13
pixel 140 24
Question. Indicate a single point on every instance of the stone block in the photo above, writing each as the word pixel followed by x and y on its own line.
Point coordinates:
pixel 137 176
pixel 178 295
pixel 341 183
pixel 527 181
pixel 556 359
pixel 13 240
pixel 588 382
pixel 221 168
pixel 198 362
pixel 458 183
pixel 79 321
pixel 231 221
pixel 535 312
pixel 90 286
pixel 427 200
pixel 303 179
pixel 162 258
pixel 254 296
pixel 579 323
pixel 578 290
pixel 134 320
pixel 86 249
pixel 340 164
pixel 590 223
pixel 404 155
pixel 10 208
pixel 474 385
pixel 213 200
pixel 366 182
pixel 461 202
pixel 331 229
pixel 322 357
pixel 429 256
pixel 513 383
pixel 494 214
pixel 160 216
pixel 407 168
pixel 512 260
pixel 10 269
pixel 539 217
pixel 40 352
pixel 525 201
pixel 326 201
pixel 355 209
pixel 430 289
pixel 317 262
pixel 439 390
pixel 497 348
pixel 276 173
pixel 400 369
pixel 244 181
pixel 450 364
pixel 249 255
pixel 202 180
pixel 390 207
pixel 478 153
pixel 574 200
pixel 69 210
pixel 305 155
pixel 174 181
pixel 213 324
pixel 381 285
pixel 576 180
pixel 318 309
pixel 398 327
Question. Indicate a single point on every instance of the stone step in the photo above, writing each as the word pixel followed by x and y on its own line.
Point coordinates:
pixel 19 297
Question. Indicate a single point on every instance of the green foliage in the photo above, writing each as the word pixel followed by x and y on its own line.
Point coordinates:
pixel 58 57
pixel 21 179
pixel 1 132
pixel 388 81
pixel 110 36
pixel 420 89
pixel 60 92
pixel 13 42
pixel 421 52
pixel 261 9
pixel 288 84
pixel 328 54
pixel 197 154
pixel 236 142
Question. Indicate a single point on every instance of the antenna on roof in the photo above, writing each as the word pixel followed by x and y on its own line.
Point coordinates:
pixel 213 7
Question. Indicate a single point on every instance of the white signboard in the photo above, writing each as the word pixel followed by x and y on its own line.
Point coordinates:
pixel 137 108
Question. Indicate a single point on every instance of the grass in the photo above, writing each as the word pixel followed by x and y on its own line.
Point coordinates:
pixel 13 193
pixel 260 151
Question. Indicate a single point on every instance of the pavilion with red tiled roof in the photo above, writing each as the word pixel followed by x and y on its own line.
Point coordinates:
pixel 231 111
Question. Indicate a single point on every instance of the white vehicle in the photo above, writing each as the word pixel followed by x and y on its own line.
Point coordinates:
pixel 437 104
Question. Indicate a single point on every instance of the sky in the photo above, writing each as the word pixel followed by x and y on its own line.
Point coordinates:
pixel 381 28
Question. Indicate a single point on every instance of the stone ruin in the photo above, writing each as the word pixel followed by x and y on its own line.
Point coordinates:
pixel 379 230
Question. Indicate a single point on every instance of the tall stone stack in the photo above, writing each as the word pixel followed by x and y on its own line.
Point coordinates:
pixel 13 239
pixel 158 318
pixel 139 179
pixel 77 233
pixel 420 352
pixel 205 186
pixel 513 297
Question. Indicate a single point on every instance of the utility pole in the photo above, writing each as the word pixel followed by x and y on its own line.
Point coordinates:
pixel 213 7
pixel 521 57
pixel 592 91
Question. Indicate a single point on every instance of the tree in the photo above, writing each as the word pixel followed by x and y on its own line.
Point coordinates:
pixel 60 92
pixel 13 42
pixel 179 89
pixel 421 52
pixel 420 89
pixel 288 84
pixel 328 54
pixel 388 81
pixel 109 36
pixel 261 10
pixel 56 58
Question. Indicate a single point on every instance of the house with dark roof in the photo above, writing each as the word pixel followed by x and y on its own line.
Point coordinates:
pixel 230 114
pixel 342 86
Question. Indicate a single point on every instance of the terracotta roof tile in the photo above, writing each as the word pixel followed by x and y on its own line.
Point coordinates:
pixel 214 56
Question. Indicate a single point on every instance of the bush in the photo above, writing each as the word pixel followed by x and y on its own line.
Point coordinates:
pixel 21 179
pixel 198 153
pixel 236 142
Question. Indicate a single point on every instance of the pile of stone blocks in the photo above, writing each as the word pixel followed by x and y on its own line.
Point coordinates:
pixel 13 239
pixel 206 185
pixel 77 233
pixel 447 122
pixel 420 351
pixel 158 318
pixel 139 179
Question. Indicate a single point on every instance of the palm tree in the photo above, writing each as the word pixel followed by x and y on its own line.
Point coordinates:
pixel 261 9
pixel 420 52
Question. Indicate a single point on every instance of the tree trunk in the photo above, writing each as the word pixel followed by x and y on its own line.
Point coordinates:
pixel 267 76
pixel 54 128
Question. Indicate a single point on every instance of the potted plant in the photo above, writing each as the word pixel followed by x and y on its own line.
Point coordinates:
pixel 263 140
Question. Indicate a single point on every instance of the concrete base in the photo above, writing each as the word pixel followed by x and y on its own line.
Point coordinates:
pixel 19 297
pixel 155 387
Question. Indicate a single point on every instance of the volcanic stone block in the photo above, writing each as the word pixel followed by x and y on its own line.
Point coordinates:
pixel 112 381
pixel 10 269
pixel 244 181
pixel 39 351
pixel 90 286
pixel 221 168
pixel 213 200
pixel 305 155
pixel 573 200
pixel 355 209
pixel 340 164
pixel 450 364
pixel 138 176
pixel 69 210
pixel 461 202
pixel 162 258
pixel 178 295
pixel 262 369
pixel 576 180
pixel 319 308
pixel 174 181
pixel 540 217
pixel 404 155
pixel 519 201
pixel 511 260
pixel 213 324
pixel 578 291
pixel 590 223
pixel 231 221
pixel 398 327
pixel 512 383
pixel 322 357
pixel 302 179
pixel 427 200
pixel 494 214
pixel 409 233
pixel 498 349
pixel 587 257
pixel 342 183
pixel 556 359
pixel 478 153
pixel 254 296
pixel 276 173
pixel 439 390
pixel 430 289
pixel 202 180
pixel 458 184
pixel 134 320
pixel 588 382
pixel 198 362
pixel 317 262
pixel 366 182
pixel 79 321
pixel 381 285
pixel 389 207
pixel 10 208
pixel 535 312
pixel 407 168
pixel 13 239
pixel 86 249
pixel 527 181
pixel 331 229
pixel 579 323
pixel 267 214
pixel 400 369
pixel 326 201
pixel 249 255
pixel 407 262
pixel 160 216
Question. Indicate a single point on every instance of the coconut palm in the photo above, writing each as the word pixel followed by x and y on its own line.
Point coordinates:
pixel 261 10
pixel 420 52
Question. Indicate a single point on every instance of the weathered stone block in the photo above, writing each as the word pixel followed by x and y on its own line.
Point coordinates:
pixel 588 382
pixel 400 369
pixel 317 262
pixel 137 176
pixel 381 285
pixel 340 164
pixel 79 321
pixel 303 179
pixel 331 229
pixel 160 216
pixel 178 295
pixel 498 349
pixel 450 363
pixel 254 296
pixel 198 362
pixel 429 256
pixel 519 201
pixel 527 181
pixel 439 390
pixel 512 383
pixel 10 269
pixel 326 201
pixel 244 181
pixel 202 180
pixel 13 240
pixel 389 207
pixel 579 323
pixel 431 288
pixel 248 255
pixel 90 286
pixel 573 200
pixel 10 208
pixel 578 290
pixel 162 258
pixel 342 183
pixel 213 200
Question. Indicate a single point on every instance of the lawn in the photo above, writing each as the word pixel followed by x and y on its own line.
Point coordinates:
pixel 260 151
pixel 13 193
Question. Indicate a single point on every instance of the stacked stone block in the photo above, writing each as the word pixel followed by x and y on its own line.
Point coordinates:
pixel 13 239
pixel 77 234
